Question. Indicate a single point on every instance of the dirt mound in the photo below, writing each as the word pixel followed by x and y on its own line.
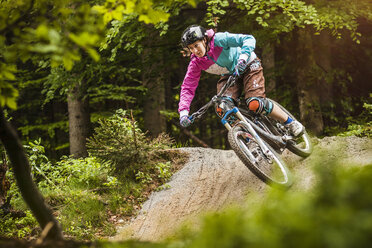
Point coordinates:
pixel 212 179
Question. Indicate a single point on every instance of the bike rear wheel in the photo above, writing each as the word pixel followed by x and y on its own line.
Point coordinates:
pixel 270 168
pixel 302 145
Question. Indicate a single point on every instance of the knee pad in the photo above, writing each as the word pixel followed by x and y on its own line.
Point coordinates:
pixel 259 105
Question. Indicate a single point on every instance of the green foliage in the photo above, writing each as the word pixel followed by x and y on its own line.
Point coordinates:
pixel 6 90
pixel 143 177
pixel 9 95
pixel 81 173
pixel 215 9
pixel 49 128
pixel 83 193
pixel 119 141
pixel 83 214
pixel 360 130
pixel 361 127
pixel 146 10
pixel 277 16
pixel 17 227
pixel 280 16
pixel 69 30
pixel 164 170
pixel 61 36
pixel 170 115
pixel 69 187
pixel 159 174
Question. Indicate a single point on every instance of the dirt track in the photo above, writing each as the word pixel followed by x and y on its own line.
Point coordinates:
pixel 212 179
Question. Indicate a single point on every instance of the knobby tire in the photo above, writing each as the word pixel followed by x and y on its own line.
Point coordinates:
pixel 240 146
pixel 302 146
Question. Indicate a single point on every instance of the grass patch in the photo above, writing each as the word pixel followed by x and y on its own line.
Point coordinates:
pixel 86 198
pixel 90 196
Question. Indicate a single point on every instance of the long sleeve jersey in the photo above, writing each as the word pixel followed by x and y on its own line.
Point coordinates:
pixel 225 49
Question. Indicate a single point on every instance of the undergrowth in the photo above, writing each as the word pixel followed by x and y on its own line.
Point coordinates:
pixel 91 195
pixel 360 126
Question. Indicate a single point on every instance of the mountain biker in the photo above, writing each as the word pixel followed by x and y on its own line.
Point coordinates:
pixel 226 54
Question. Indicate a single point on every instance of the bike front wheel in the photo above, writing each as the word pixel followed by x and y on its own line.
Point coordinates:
pixel 267 166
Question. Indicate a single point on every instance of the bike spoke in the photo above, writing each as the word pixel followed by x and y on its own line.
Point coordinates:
pixel 268 164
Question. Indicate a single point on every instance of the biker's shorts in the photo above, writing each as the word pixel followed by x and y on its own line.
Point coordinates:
pixel 252 82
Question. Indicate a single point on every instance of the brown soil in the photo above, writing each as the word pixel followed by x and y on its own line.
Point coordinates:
pixel 214 179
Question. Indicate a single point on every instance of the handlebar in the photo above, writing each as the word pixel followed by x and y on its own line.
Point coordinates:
pixel 198 114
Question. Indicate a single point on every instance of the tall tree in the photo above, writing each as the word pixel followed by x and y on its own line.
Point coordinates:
pixel 322 49
pixel 154 79
pixel 268 62
pixel 79 120
pixel 307 84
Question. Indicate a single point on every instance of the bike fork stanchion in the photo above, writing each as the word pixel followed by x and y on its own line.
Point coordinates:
pixel 228 113
pixel 235 110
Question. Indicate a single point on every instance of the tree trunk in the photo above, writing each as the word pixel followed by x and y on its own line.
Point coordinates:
pixel 268 63
pixel 307 84
pixel 79 121
pixel 154 103
pixel 322 47
pixel 154 80
pixel 4 183
pixel 22 173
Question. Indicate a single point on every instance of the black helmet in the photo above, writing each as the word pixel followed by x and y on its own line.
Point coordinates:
pixel 192 34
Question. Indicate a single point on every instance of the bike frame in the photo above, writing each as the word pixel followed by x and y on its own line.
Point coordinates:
pixel 276 140
pixel 279 142
pixel 251 130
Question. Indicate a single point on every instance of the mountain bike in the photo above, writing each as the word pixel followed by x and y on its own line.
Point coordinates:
pixel 258 140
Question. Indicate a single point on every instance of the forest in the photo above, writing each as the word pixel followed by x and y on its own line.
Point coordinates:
pixel 89 92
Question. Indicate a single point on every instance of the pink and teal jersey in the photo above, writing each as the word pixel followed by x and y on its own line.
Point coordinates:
pixel 222 57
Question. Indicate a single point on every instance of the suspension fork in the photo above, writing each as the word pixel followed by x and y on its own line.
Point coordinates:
pixel 253 132
pixel 227 114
